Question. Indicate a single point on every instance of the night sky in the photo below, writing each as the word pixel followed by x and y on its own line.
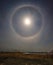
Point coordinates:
pixel 16 36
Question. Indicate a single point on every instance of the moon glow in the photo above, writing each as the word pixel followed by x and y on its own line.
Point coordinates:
pixel 27 21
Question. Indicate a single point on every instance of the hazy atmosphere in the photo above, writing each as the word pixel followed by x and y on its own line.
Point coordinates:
pixel 26 25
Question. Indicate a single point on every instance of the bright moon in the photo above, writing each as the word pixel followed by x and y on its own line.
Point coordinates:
pixel 27 21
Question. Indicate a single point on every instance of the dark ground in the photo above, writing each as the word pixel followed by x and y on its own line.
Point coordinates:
pixel 22 61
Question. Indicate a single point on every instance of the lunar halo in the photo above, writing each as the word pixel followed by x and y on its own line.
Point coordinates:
pixel 30 37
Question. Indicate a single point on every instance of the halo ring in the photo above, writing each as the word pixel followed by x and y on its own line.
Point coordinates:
pixel 30 37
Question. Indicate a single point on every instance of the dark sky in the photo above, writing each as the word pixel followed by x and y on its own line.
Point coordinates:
pixel 8 39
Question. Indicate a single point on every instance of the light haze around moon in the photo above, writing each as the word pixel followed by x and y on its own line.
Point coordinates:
pixel 27 21
pixel 26 25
